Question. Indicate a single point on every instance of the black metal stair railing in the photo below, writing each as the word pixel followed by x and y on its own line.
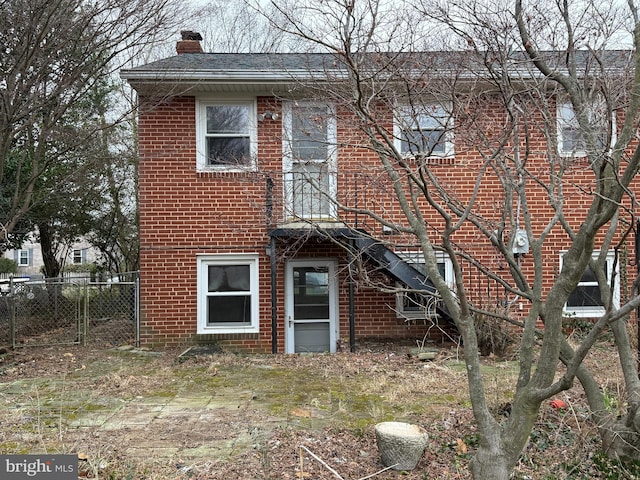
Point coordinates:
pixel 399 269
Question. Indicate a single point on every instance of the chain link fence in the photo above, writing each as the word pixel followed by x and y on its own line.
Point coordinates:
pixel 70 310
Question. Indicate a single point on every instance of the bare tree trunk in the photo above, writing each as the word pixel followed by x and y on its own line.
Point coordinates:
pixel 491 462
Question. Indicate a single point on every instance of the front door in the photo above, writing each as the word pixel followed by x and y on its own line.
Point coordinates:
pixel 311 301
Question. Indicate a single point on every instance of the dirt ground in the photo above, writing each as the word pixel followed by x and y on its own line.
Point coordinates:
pixel 132 414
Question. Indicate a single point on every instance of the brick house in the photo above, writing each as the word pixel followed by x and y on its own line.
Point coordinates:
pixel 241 243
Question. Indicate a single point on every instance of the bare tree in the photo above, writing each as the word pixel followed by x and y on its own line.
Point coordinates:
pixel 53 55
pixel 235 26
pixel 541 108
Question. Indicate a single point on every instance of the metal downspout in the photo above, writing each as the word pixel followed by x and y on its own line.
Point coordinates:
pixel 637 253
pixel 274 297
pixel 352 308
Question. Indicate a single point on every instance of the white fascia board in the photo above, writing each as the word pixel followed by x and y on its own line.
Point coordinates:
pixel 227 76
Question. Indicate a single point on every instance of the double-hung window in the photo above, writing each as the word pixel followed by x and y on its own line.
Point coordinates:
pixel 424 130
pixel 226 135
pixel 23 258
pixel 585 300
pixel 79 255
pixel 228 294
pixel 413 305
pixel 571 141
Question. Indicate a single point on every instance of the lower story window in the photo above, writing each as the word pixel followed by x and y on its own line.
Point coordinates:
pixel 23 258
pixel 585 300
pixel 228 294
pixel 79 255
pixel 415 305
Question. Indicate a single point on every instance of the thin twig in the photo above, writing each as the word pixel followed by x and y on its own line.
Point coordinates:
pixel 321 461
pixel 333 471
pixel 378 472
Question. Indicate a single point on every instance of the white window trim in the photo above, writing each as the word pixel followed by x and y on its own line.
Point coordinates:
pixel 449 145
pixel 412 257
pixel 590 311
pixel 203 261
pixel 561 123
pixel 27 257
pixel 82 252
pixel 201 128
pixel 287 157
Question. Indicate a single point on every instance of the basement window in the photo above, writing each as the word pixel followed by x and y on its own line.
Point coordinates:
pixel 585 301
pixel 228 294
pixel 411 305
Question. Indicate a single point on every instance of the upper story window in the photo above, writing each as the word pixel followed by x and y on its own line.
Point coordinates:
pixel 414 305
pixel 228 294
pixel 425 129
pixel 226 135
pixel 571 141
pixel 585 300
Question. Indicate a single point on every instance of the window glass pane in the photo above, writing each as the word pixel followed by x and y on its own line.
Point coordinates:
pixel 572 138
pixel 228 151
pixel 587 293
pixel 585 296
pixel 433 118
pixel 309 134
pixel 228 119
pixel 424 130
pixel 229 309
pixel 422 141
pixel 413 303
pixel 231 278
pixel 567 116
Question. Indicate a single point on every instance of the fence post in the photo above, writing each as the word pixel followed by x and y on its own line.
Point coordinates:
pixel 137 308
pixel 85 314
pixel 11 303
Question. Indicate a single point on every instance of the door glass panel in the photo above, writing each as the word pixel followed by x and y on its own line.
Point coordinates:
pixel 312 337
pixel 310 293
pixel 310 133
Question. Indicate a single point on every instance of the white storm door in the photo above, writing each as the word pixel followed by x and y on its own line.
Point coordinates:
pixel 311 306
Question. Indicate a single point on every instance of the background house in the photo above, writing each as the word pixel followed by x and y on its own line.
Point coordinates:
pixel 30 263
pixel 252 192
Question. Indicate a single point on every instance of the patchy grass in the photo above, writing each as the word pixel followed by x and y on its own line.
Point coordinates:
pixel 220 416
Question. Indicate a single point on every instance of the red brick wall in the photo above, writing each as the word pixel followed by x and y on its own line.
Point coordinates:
pixel 184 213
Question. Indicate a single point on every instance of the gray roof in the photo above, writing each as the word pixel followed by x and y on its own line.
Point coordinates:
pixel 247 62
pixel 257 72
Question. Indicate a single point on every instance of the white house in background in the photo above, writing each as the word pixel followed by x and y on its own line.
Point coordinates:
pixel 30 262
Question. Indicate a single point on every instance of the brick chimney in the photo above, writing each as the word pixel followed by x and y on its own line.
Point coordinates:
pixel 190 42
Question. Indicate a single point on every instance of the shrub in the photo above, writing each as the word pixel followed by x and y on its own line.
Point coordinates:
pixel 493 335
pixel 8 266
